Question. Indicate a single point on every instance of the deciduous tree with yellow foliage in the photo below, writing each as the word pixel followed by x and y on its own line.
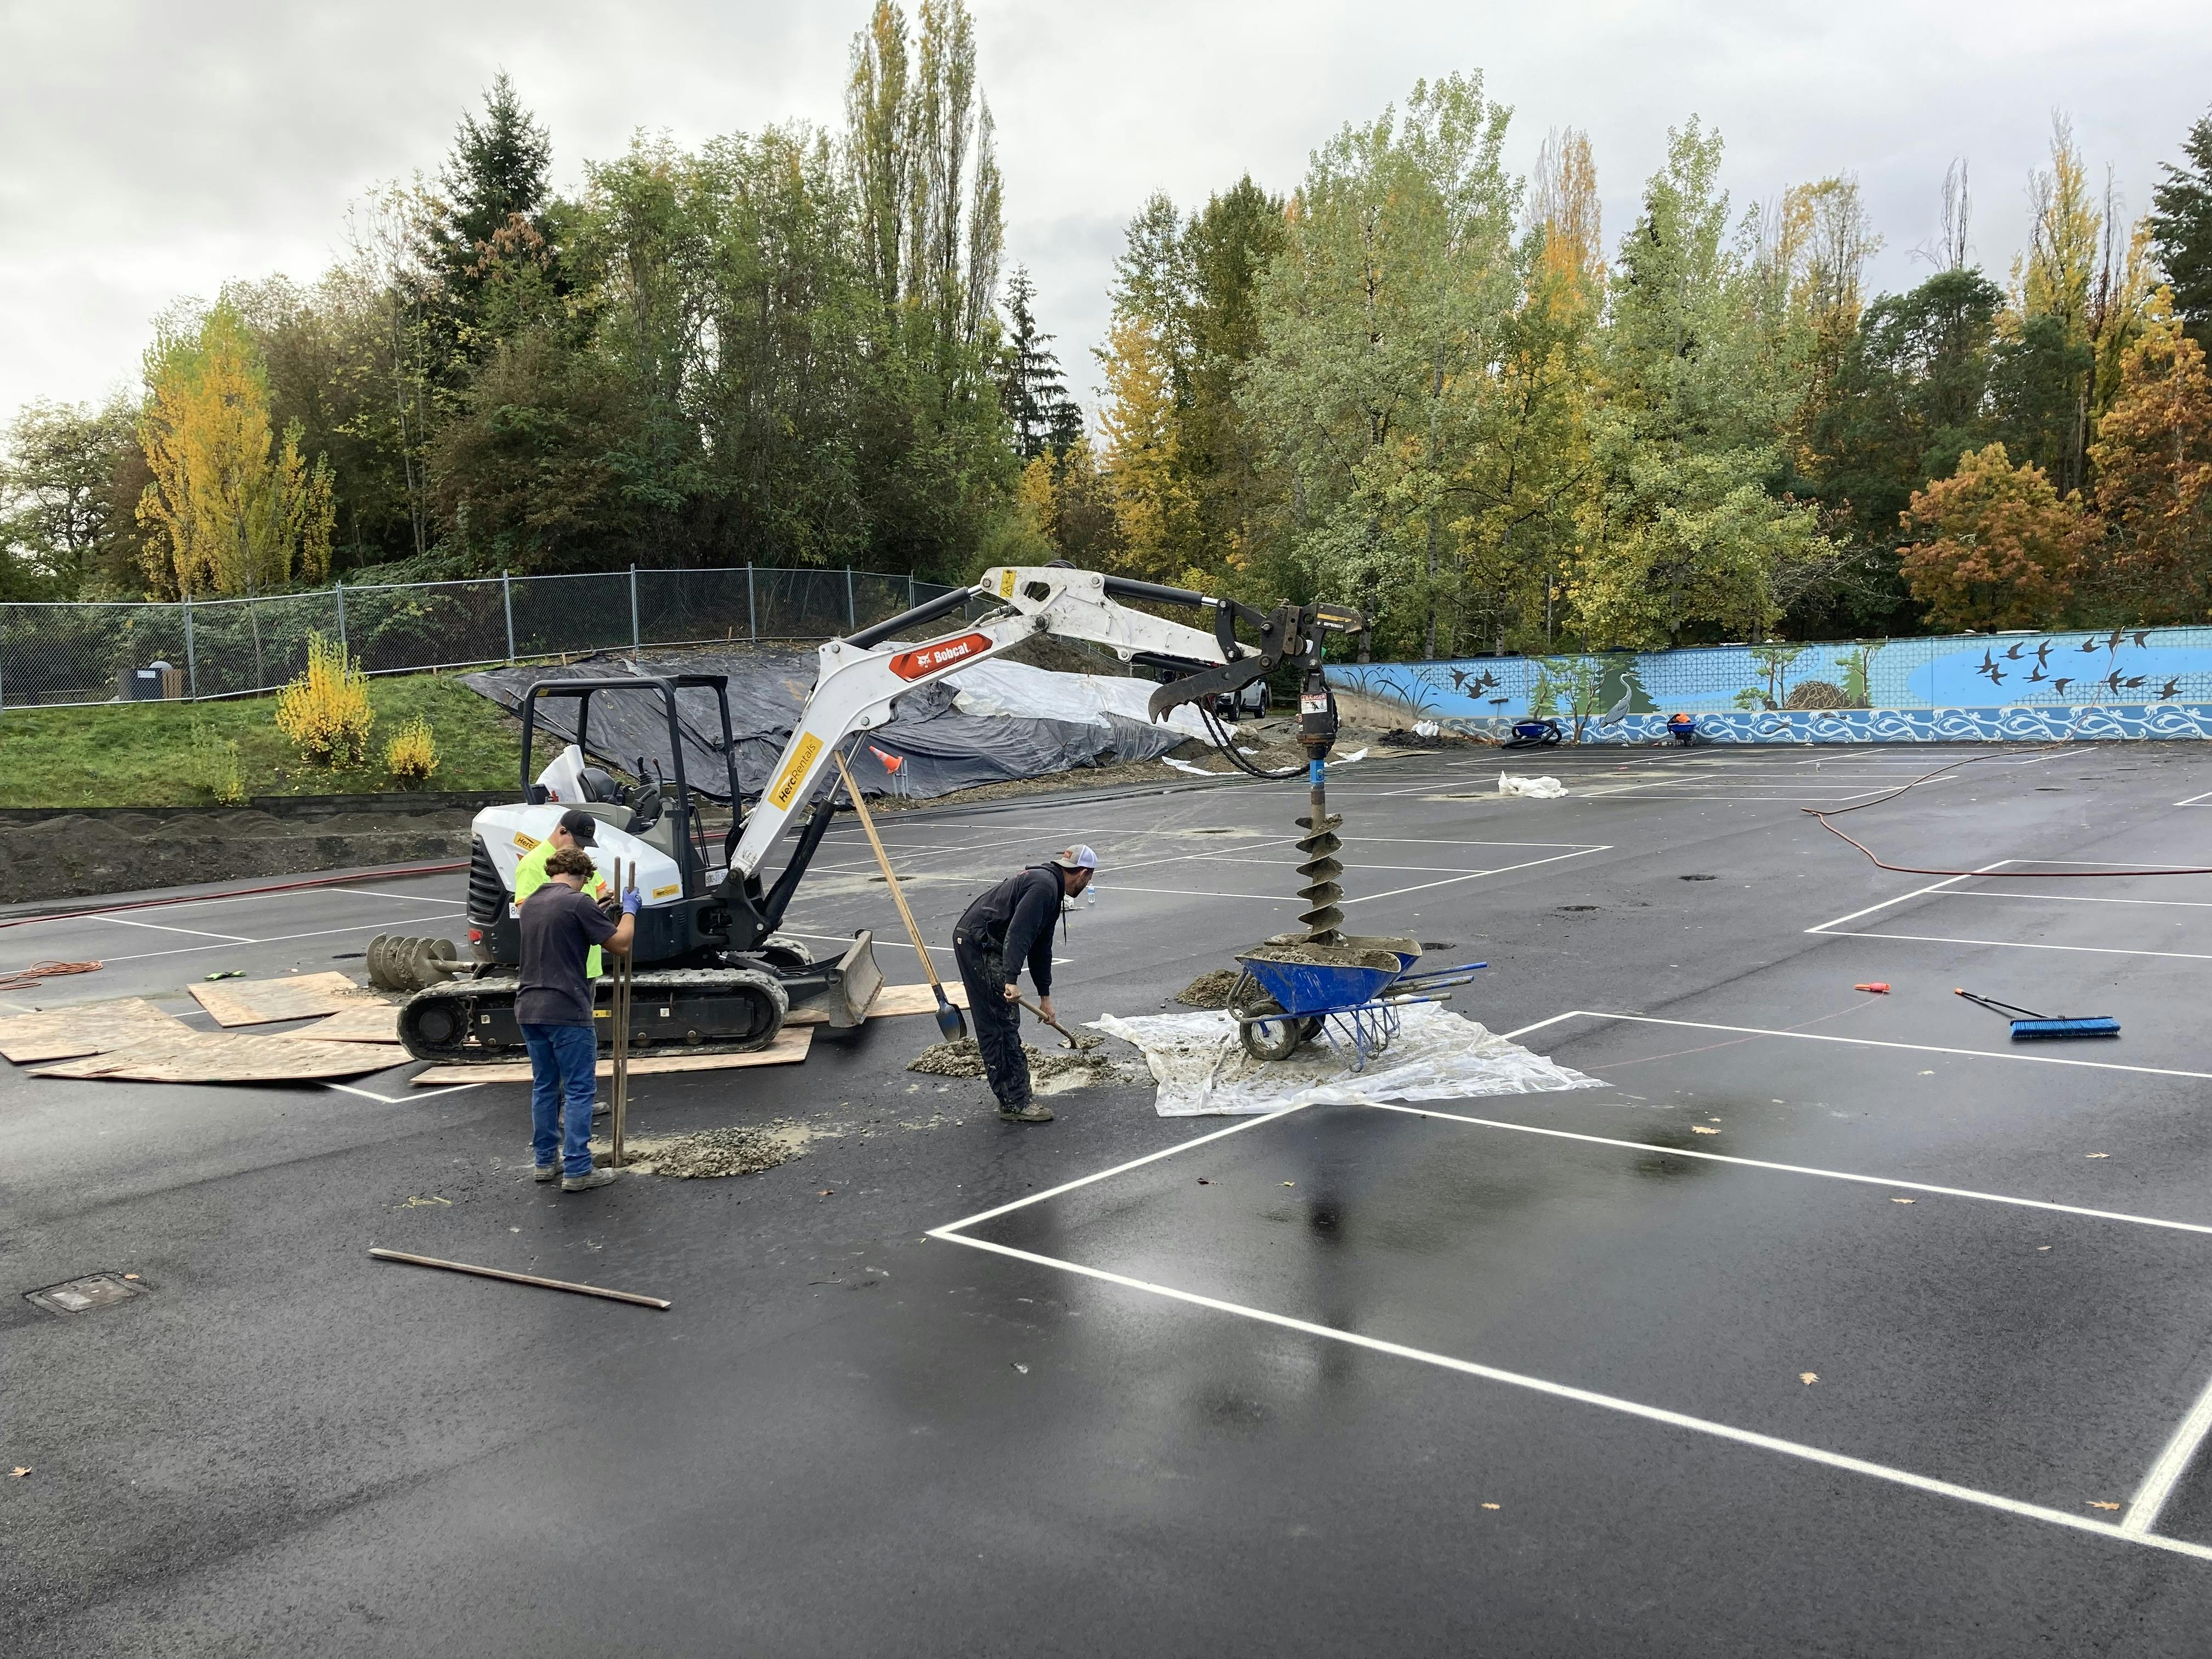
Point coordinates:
pixel 226 515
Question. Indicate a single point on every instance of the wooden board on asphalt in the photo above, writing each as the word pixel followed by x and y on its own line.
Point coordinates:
pixel 296 996
pixel 365 1022
pixel 190 1056
pixel 789 1048
pixel 90 1029
pixel 891 1000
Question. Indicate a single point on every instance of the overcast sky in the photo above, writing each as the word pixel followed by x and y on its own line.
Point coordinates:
pixel 149 151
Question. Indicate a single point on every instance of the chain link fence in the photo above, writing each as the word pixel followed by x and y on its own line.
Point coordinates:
pixel 59 654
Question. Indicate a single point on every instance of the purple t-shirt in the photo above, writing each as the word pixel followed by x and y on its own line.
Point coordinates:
pixel 559 925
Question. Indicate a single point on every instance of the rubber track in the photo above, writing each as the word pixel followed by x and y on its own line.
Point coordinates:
pixel 495 992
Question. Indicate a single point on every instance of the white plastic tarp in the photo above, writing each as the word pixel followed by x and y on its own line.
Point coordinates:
pixel 1202 1069
pixel 1016 690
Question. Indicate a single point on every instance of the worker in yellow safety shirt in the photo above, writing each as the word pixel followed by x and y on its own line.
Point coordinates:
pixel 576 829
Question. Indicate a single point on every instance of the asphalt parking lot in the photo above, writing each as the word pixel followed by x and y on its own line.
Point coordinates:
pixel 1833 1323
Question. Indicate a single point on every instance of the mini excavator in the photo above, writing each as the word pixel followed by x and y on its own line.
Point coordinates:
pixel 713 975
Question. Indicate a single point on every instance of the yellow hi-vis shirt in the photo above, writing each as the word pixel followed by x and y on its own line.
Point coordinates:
pixel 530 876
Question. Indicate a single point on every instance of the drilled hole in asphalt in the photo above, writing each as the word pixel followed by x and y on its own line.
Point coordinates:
pixel 1439 944
pixel 1574 907
pixel 1698 877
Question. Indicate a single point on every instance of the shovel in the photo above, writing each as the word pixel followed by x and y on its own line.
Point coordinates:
pixel 1055 1024
pixel 949 1020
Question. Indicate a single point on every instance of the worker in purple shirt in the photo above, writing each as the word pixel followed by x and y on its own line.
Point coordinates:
pixel 1011 924
pixel 559 928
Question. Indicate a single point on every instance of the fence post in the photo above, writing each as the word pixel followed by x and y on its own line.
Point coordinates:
pixel 191 657
pixel 338 589
pixel 752 615
pixel 506 599
pixel 633 609
pixel 852 621
pixel 910 590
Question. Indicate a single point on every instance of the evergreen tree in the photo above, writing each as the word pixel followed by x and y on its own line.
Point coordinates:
pixel 495 246
pixel 1030 384
pixel 2181 230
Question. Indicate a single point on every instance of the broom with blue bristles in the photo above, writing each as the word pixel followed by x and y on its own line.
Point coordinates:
pixel 2026 1023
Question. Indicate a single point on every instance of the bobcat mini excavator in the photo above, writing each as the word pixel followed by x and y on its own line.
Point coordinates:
pixel 712 973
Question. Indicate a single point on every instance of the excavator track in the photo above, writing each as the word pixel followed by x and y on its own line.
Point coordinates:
pixel 698 1011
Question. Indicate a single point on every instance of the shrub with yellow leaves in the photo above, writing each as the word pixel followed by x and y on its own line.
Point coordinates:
pixel 325 711
pixel 412 755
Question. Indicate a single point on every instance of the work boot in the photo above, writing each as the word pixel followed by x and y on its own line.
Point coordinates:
pixel 544 1172
pixel 584 1183
pixel 1031 1113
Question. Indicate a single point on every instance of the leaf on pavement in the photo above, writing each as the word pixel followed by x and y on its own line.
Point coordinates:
pixel 2100 1504
pixel 17 1473
pixel 2096 1154
pixel 1490 1506
pixel 1900 1200
pixel 1700 1129
pixel 1809 1378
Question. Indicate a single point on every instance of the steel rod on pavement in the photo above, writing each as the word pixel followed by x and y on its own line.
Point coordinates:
pixel 382 1255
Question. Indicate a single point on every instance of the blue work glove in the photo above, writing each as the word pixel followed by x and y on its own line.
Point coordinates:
pixel 631 900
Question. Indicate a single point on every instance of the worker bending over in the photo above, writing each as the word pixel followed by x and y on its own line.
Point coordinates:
pixel 1010 924
pixel 554 1006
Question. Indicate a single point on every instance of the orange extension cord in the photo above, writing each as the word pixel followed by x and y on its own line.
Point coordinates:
pixel 24 978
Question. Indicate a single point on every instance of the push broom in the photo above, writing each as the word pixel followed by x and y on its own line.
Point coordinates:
pixel 2027 1023
pixel 949 1020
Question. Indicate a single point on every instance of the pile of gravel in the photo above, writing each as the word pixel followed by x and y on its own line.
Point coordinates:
pixel 712 1153
pixel 964 1059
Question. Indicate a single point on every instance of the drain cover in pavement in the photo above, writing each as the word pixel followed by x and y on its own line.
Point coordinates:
pixel 83 1295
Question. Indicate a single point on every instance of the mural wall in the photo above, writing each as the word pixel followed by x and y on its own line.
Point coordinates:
pixel 2132 683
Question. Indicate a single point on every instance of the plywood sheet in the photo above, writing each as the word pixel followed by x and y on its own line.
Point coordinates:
pixel 891 1000
pixel 789 1048
pixel 296 996
pixel 364 1022
pixel 91 1029
pixel 192 1056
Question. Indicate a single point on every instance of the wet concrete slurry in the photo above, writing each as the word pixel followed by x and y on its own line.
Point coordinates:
pixel 845 1440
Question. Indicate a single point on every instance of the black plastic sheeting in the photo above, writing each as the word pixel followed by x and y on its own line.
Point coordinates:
pixel 927 749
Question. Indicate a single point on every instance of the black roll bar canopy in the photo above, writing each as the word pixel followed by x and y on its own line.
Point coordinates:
pixel 666 684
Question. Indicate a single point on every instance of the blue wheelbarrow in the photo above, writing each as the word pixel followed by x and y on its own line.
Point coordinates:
pixel 1350 998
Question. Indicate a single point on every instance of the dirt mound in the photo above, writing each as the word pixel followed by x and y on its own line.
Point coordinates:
pixel 964 1059
pixel 71 855
pixel 713 1153
pixel 1210 990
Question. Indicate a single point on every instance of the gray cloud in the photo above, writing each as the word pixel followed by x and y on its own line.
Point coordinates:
pixel 152 151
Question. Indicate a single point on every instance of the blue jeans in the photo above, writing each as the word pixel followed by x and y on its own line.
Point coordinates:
pixel 563 1062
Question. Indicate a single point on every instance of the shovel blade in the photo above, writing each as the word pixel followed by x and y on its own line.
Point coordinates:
pixel 951 1022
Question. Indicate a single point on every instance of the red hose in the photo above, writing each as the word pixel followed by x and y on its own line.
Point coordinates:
pixel 237 892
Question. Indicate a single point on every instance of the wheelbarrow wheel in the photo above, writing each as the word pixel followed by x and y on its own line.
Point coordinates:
pixel 1267 1032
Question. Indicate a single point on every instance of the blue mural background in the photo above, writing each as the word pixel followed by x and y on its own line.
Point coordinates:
pixel 2130 682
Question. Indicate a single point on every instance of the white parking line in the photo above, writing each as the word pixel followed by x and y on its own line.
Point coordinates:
pixel 1932 887
pixel 281 939
pixel 1424 886
pixel 1800 1168
pixel 2024 944
pixel 1590 1397
pixel 401 1100
pixel 1877 1043
pixel 197 932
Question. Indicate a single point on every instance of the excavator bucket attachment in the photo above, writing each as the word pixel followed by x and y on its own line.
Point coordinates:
pixel 855 982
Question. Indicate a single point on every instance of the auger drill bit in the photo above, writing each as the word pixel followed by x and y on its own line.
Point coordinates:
pixel 1321 868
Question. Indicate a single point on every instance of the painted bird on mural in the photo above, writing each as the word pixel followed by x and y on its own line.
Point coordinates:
pixel 2038 675
pixel 2135 682
pixel 2013 655
pixel 2112 640
pixel 2042 654
pixel 2168 689
pixel 2141 635
pixel 1989 669
pixel 2090 645
pixel 2112 682
pixel 2060 685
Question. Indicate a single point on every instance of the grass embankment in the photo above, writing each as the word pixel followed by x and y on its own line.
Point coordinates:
pixel 141 753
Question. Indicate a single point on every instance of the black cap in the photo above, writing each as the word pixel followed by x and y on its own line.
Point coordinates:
pixel 580 825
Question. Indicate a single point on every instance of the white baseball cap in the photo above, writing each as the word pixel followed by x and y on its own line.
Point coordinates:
pixel 1076 858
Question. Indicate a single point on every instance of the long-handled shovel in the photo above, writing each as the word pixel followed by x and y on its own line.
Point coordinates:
pixel 949 1020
